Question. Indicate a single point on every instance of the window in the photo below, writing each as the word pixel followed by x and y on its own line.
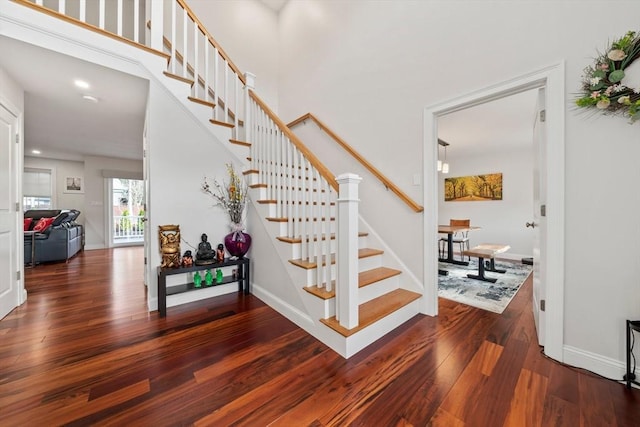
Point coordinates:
pixel 36 189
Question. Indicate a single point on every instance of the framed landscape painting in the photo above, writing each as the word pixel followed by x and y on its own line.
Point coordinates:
pixel 475 188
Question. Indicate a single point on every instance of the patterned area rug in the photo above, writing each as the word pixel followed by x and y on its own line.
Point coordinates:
pixel 487 296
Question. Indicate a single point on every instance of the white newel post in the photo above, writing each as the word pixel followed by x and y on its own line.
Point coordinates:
pixel 250 83
pixel 347 283
pixel 157 22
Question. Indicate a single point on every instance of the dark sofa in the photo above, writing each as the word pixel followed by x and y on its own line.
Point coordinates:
pixel 60 241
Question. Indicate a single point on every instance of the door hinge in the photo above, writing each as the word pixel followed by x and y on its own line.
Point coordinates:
pixel 145 260
pixel 543 115
pixel 144 154
pixel 543 210
pixel 18 275
pixel 543 305
pixel 17 206
pixel 17 138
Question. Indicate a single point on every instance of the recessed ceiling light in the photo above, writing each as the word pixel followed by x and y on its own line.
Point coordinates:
pixel 35 152
pixel 90 98
pixel 81 84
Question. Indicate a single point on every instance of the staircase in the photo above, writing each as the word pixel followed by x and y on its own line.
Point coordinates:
pixel 353 290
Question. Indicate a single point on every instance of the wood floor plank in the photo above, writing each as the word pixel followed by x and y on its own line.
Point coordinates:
pixel 527 404
pixel 84 350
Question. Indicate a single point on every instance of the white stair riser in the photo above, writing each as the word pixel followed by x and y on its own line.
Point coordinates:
pixel 374 290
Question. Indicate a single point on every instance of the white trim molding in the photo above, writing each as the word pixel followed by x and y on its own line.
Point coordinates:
pixel 552 78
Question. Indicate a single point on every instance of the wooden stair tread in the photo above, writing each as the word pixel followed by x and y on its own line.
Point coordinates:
pixel 225 124
pixel 365 278
pixel 238 142
pixel 299 239
pixel 374 310
pixel 308 265
pixel 201 101
pixel 376 275
pixel 180 78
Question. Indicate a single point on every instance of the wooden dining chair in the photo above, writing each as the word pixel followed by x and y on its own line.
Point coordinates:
pixel 461 237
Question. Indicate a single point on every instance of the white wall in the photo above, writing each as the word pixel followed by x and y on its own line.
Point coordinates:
pixel 501 221
pixel 181 153
pixel 96 196
pixel 369 68
pixel 10 90
pixel 247 31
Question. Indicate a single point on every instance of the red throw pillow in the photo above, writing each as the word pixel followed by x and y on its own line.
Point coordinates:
pixel 27 223
pixel 43 224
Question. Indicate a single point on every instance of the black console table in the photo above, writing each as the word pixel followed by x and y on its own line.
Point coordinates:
pixel 630 377
pixel 242 277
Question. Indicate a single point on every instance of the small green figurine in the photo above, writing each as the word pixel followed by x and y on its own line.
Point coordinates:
pixel 197 280
pixel 218 276
pixel 208 278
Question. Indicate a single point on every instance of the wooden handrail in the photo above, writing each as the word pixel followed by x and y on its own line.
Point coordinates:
pixel 90 27
pixel 212 41
pixel 385 181
pixel 315 162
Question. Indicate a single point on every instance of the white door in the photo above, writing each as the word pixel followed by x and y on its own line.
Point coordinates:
pixel 9 285
pixel 145 222
pixel 538 223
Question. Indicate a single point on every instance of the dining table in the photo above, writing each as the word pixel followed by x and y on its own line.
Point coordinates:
pixel 450 230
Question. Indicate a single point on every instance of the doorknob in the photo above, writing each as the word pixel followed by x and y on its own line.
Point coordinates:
pixel 143 219
pixel 531 224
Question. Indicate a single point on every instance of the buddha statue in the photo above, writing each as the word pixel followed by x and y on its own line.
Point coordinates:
pixel 205 254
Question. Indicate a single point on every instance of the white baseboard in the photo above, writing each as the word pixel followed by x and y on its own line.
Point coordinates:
pixel 287 310
pixel 93 246
pixel 601 365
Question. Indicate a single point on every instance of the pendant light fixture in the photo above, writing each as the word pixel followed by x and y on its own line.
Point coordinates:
pixel 443 166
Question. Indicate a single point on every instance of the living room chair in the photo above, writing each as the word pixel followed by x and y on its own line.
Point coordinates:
pixel 460 238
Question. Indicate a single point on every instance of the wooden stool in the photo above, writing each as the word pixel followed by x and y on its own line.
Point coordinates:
pixel 488 251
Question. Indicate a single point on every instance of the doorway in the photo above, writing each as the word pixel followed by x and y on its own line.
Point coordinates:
pixel 552 261
pixel 126 212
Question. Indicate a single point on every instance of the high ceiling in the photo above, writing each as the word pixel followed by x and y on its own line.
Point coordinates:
pixel 275 5
pixel 61 124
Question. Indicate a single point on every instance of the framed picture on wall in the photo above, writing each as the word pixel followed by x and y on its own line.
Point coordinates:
pixel 474 188
pixel 74 184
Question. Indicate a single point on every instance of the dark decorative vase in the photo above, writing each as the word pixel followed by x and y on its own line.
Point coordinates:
pixel 237 243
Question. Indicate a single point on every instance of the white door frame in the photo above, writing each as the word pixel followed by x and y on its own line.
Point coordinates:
pixel 552 78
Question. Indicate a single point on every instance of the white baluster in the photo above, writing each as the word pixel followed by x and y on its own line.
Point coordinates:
pixel 207 82
pixel 62 6
pixel 174 31
pixel 236 107
pixel 101 13
pixel 280 174
pixel 226 91
pixel 136 21
pixel 83 11
pixel 119 18
pixel 156 33
pixel 185 48
pixel 289 189
pixel 196 57
pixel 216 83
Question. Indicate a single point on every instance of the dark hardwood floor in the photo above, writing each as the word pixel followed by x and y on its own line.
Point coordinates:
pixel 83 350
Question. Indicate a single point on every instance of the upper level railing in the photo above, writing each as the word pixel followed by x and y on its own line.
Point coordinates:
pixel 385 181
